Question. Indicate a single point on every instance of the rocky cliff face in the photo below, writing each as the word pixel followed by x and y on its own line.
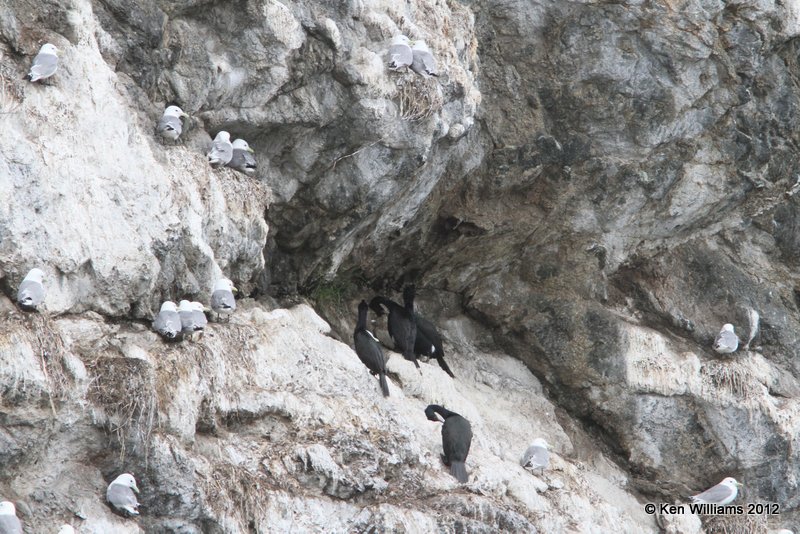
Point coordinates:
pixel 586 194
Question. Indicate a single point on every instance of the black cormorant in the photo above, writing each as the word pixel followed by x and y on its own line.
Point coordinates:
pixel 429 342
pixel 456 438
pixel 368 349
pixel 401 324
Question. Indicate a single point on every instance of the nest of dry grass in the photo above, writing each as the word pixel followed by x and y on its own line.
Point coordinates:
pixel 732 377
pixel 418 97
pixel 734 524
pixel 36 330
pixel 10 93
pixel 244 339
pixel 52 350
pixel 249 490
pixel 125 389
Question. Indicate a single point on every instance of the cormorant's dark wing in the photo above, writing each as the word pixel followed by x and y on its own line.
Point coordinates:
pixel 403 330
pixel 369 352
pixel 429 342
pixel 456 438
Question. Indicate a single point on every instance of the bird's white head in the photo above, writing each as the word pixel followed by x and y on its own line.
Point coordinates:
pixel 727 327
pixel 223 136
pixel 7 508
pixel 198 306
pixel 421 45
pixel 185 305
pixel 66 529
pixel 49 48
pixel 126 479
pixel 169 306
pixel 401 40
pixel 241 144
pixel 175 111
pixel 224 283
pixel 35 275
pixel 731 483
pixel 540 442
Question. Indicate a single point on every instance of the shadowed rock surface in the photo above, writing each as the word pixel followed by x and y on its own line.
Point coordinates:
pixel 593 188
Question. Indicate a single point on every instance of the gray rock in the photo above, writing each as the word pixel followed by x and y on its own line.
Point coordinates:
pixel 663 138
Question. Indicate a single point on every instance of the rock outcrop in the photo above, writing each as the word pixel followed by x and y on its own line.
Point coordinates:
pixel 591 189
pixel 269 425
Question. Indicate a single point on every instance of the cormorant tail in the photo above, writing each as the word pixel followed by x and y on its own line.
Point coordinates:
pixel 412 357
pixel 384 385
pixel 444 366
pixel 459 470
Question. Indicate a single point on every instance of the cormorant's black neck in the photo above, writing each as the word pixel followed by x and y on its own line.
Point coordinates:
pixel 408 298
pixel 441 410
pixel 362 316
pixel 377 303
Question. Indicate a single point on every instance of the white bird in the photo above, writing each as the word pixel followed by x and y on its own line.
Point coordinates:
pixel 723 493
pixel 168 323
pixel 423 62
pixel 170 125
pixel 222 300
pixel 66 529
pixel 120 494
pixel 31 292
pixel 186 313
pixel 9 522
pixel 400 54
pixel 199 312
pixel 242 159
pixel 537 456
pixel 221 150
pixel 727 341
pixel 45 64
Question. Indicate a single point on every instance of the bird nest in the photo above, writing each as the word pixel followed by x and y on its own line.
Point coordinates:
pixel 49 350
pixel 125 389
pixel 733 377
pixel 418 97
pixel 249 490
pixel 52 352
pixel 734 524
pixel 245 339
pixel 10 94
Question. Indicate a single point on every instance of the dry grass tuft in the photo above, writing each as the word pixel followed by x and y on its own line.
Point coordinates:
pixel 734 524
pixel 419 98
pixel 174 364
pixel 125 389
pixel 732 377
pixel 244 339
pixel 249 490
pixel 10 95
pixel 51 350
pixel 36 331
pixel 251 196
